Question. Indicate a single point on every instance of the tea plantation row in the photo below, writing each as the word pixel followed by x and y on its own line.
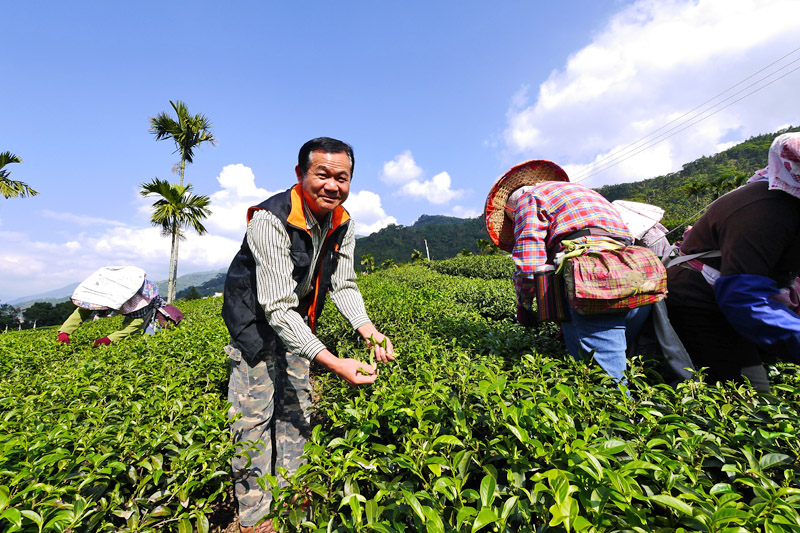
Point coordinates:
pixel 480 425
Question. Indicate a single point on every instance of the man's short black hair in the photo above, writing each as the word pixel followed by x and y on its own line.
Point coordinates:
pixel 327 145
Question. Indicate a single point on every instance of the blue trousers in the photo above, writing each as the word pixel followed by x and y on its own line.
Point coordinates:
pixel 604 337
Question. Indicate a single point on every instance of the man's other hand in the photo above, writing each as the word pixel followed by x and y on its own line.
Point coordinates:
pixel 348 369
pixel 356 373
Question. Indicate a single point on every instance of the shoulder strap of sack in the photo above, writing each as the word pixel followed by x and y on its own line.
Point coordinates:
pixel 678 259
pixel 600 232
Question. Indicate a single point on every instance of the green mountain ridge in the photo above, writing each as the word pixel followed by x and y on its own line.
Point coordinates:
pixel 737 162
pixel 441 237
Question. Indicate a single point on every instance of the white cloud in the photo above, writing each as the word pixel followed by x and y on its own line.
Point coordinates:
pixel 465 212
pixel 401 170
pixel 369 216
pixel 405 172
pixel 229 205
pixel 80 220
pixel 436 190
pixel 36 266
pixel 654 62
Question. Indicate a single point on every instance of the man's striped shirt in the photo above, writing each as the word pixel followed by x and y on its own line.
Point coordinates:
pixel 270 246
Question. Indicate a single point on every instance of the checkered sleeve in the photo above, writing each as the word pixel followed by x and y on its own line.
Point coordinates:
pixel 530 248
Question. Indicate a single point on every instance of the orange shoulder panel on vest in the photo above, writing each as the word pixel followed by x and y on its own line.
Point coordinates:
pixel 297 216
pixel 250 211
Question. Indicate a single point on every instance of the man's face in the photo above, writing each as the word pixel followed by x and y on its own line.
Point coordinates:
pixel 326 185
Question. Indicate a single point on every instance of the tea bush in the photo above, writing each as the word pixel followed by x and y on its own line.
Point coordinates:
pixel 480 425
pixel 476 266
pixel 132 436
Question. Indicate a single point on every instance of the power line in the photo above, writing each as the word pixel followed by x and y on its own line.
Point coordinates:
pixel 626 153
pixel 690 117
pixel 685 126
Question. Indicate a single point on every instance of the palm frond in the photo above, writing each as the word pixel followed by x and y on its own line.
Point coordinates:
pixel 8 157
pixel 10 188
pixel 176 207
pixel 186 131
pixel 15 189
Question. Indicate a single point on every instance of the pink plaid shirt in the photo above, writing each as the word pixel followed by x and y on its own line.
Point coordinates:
pixel 548 212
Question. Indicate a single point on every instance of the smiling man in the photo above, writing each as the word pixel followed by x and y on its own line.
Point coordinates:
pixel 298 248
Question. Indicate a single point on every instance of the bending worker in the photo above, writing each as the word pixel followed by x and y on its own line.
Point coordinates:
pixel 122 289
pixel 725 302
pixel 529 211
pixel 299 246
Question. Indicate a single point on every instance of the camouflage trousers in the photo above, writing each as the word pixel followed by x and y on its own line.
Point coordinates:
pixel 273 395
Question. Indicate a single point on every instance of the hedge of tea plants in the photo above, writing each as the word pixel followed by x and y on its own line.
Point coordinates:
pixel 499 266
pixel 131 436
pixel 480 425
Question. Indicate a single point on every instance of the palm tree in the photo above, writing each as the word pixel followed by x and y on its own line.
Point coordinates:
pixel 720 186
pixel 739 179
pixel 416 256
pixel 696 189
pixel 187 132
pixel 175 210
pixel 8 187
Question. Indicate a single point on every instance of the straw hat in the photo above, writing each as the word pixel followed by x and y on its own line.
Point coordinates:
pixel 499 226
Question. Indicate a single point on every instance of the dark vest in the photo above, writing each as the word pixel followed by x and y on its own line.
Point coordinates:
pixel 244 316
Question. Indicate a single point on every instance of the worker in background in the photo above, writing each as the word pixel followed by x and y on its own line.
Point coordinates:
pixel 729 302
pixel 124 290
pixel 530 212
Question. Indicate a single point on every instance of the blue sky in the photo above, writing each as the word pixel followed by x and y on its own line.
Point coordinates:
pixel 437 99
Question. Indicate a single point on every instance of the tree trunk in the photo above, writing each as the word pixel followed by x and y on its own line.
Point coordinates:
pixel 183 167
pixel 173 266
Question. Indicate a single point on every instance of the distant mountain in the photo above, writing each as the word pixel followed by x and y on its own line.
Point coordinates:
pixel 54 296
pixel 445 236
pixel 209 288
pixel 190 280
pixel 63 294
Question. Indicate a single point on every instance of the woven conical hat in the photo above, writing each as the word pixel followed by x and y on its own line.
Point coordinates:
pixel 499 226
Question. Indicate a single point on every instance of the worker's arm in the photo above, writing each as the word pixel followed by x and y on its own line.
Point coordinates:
pixel 747 301
pixel 129 327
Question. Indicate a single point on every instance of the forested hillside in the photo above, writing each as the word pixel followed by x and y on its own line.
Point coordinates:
pixel 685 193
pixel 446 236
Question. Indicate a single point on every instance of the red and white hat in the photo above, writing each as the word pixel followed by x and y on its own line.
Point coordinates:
pixel 499 226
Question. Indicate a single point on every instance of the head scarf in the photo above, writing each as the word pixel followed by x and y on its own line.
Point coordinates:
pixel 783 169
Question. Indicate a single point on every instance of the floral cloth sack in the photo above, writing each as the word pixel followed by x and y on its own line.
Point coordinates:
pixel 614 279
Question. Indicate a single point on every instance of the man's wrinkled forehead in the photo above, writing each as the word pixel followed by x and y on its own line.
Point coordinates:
pixel 325 156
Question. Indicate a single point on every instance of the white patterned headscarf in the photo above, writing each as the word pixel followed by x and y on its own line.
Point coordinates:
pixel 783 170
